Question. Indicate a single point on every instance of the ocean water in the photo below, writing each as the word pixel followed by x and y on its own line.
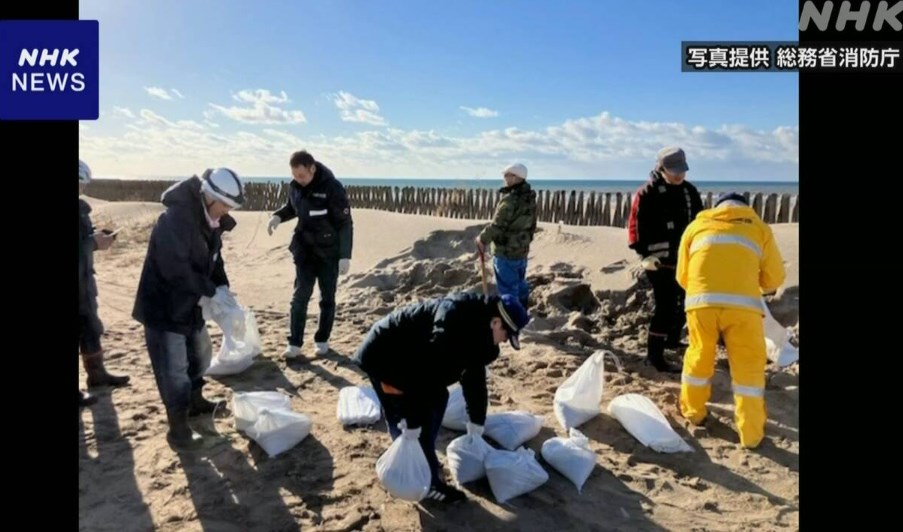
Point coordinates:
pixel 587 185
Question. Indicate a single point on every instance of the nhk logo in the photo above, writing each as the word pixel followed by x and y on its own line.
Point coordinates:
pixel 49 70
pixel 39 80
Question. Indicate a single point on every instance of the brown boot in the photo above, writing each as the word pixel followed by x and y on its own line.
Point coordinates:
pixel 97 373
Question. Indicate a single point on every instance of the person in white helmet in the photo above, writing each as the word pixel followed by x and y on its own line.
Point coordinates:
pixel 183 271
pixel 90 327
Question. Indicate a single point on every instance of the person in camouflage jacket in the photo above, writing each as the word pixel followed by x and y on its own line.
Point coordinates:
pixel 511 233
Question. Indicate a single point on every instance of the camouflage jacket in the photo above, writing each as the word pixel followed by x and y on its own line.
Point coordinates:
pixel 514 223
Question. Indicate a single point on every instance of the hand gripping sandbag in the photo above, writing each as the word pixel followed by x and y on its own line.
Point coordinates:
pixel 512 429
pixel 466 455
pixel 279 430
pixel 241 339
pixel 645 422
pixel 777 342
pixel 403 469
pixel 357 406
pixel 246 406
pixel 571 457
pixel 513 473
pixel 577 399
pixel 455 417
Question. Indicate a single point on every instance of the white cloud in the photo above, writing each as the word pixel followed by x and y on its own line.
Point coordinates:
pixel 354 109
pixel 261 109
pixel 123 111
pixel 154 119
pixel 480 112
pixel 177 93
pixel 600 146
pixel 260 95
pixel 157 92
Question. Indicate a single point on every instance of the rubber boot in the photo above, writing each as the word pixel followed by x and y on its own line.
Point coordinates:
pixel 97 373
pixel 86 399
pixel 199 405
pixel 655 355
pixel 180 435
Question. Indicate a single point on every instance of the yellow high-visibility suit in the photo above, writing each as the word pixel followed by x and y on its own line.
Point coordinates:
pixel 727 258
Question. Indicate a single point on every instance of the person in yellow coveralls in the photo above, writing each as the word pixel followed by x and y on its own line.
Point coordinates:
pixel 726 260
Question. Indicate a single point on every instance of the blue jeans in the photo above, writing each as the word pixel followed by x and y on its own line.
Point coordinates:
pixel 394 406
pixel 179 364
pixel 511 277
pixel 326 275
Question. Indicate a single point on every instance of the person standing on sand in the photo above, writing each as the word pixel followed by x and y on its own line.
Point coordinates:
pixel 90 328
pixel 661 210
pixel 412 355
pixel 321 245
pixel 183 275
pixel 727 259
pixel 511 232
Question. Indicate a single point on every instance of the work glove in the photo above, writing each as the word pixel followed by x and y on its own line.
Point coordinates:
pixel 273 224
pixel 651 263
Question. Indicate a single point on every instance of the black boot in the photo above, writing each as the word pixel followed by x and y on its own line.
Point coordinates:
pixel 199 405
pixel 86 399
pixel 97 372
pixel 180 435
pixel 655 355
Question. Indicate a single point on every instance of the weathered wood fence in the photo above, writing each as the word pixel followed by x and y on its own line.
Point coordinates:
pixel 571 207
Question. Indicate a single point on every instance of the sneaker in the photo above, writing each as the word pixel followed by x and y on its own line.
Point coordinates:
pixel 445 493
pixel 322 348
pixel 292 351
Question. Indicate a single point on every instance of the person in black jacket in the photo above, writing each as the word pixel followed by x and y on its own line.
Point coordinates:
pixel 412 355
pixel 90 328
pixel 321 245
pixel 662 208
pixel 183 272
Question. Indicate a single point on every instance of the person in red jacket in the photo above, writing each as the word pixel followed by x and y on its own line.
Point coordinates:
pixel 662 208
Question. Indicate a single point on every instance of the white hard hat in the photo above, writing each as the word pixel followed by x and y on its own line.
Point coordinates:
pixel 84 173
pixel 224 185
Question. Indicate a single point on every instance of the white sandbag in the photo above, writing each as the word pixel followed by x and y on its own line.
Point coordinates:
pixel 279 430
pixel 577 399
pixel 777 342
pixel 246 406
pixel 645 422
pixel 512 429
pixel 513 473
pixel 358 406
pixel 455 417
pixel 466 455
pixel 403 469
pixel 241 339
pixel 571 457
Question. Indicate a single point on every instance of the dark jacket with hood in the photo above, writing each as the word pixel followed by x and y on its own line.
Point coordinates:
pixel 324 230
pixel 183 262
pixel 423 348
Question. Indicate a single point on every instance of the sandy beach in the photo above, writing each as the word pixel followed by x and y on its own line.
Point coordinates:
pixel 587 295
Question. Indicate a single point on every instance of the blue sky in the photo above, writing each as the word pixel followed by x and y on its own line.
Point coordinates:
pixel 436 89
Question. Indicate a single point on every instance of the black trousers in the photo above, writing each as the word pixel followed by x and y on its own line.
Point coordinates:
pixel 668 318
